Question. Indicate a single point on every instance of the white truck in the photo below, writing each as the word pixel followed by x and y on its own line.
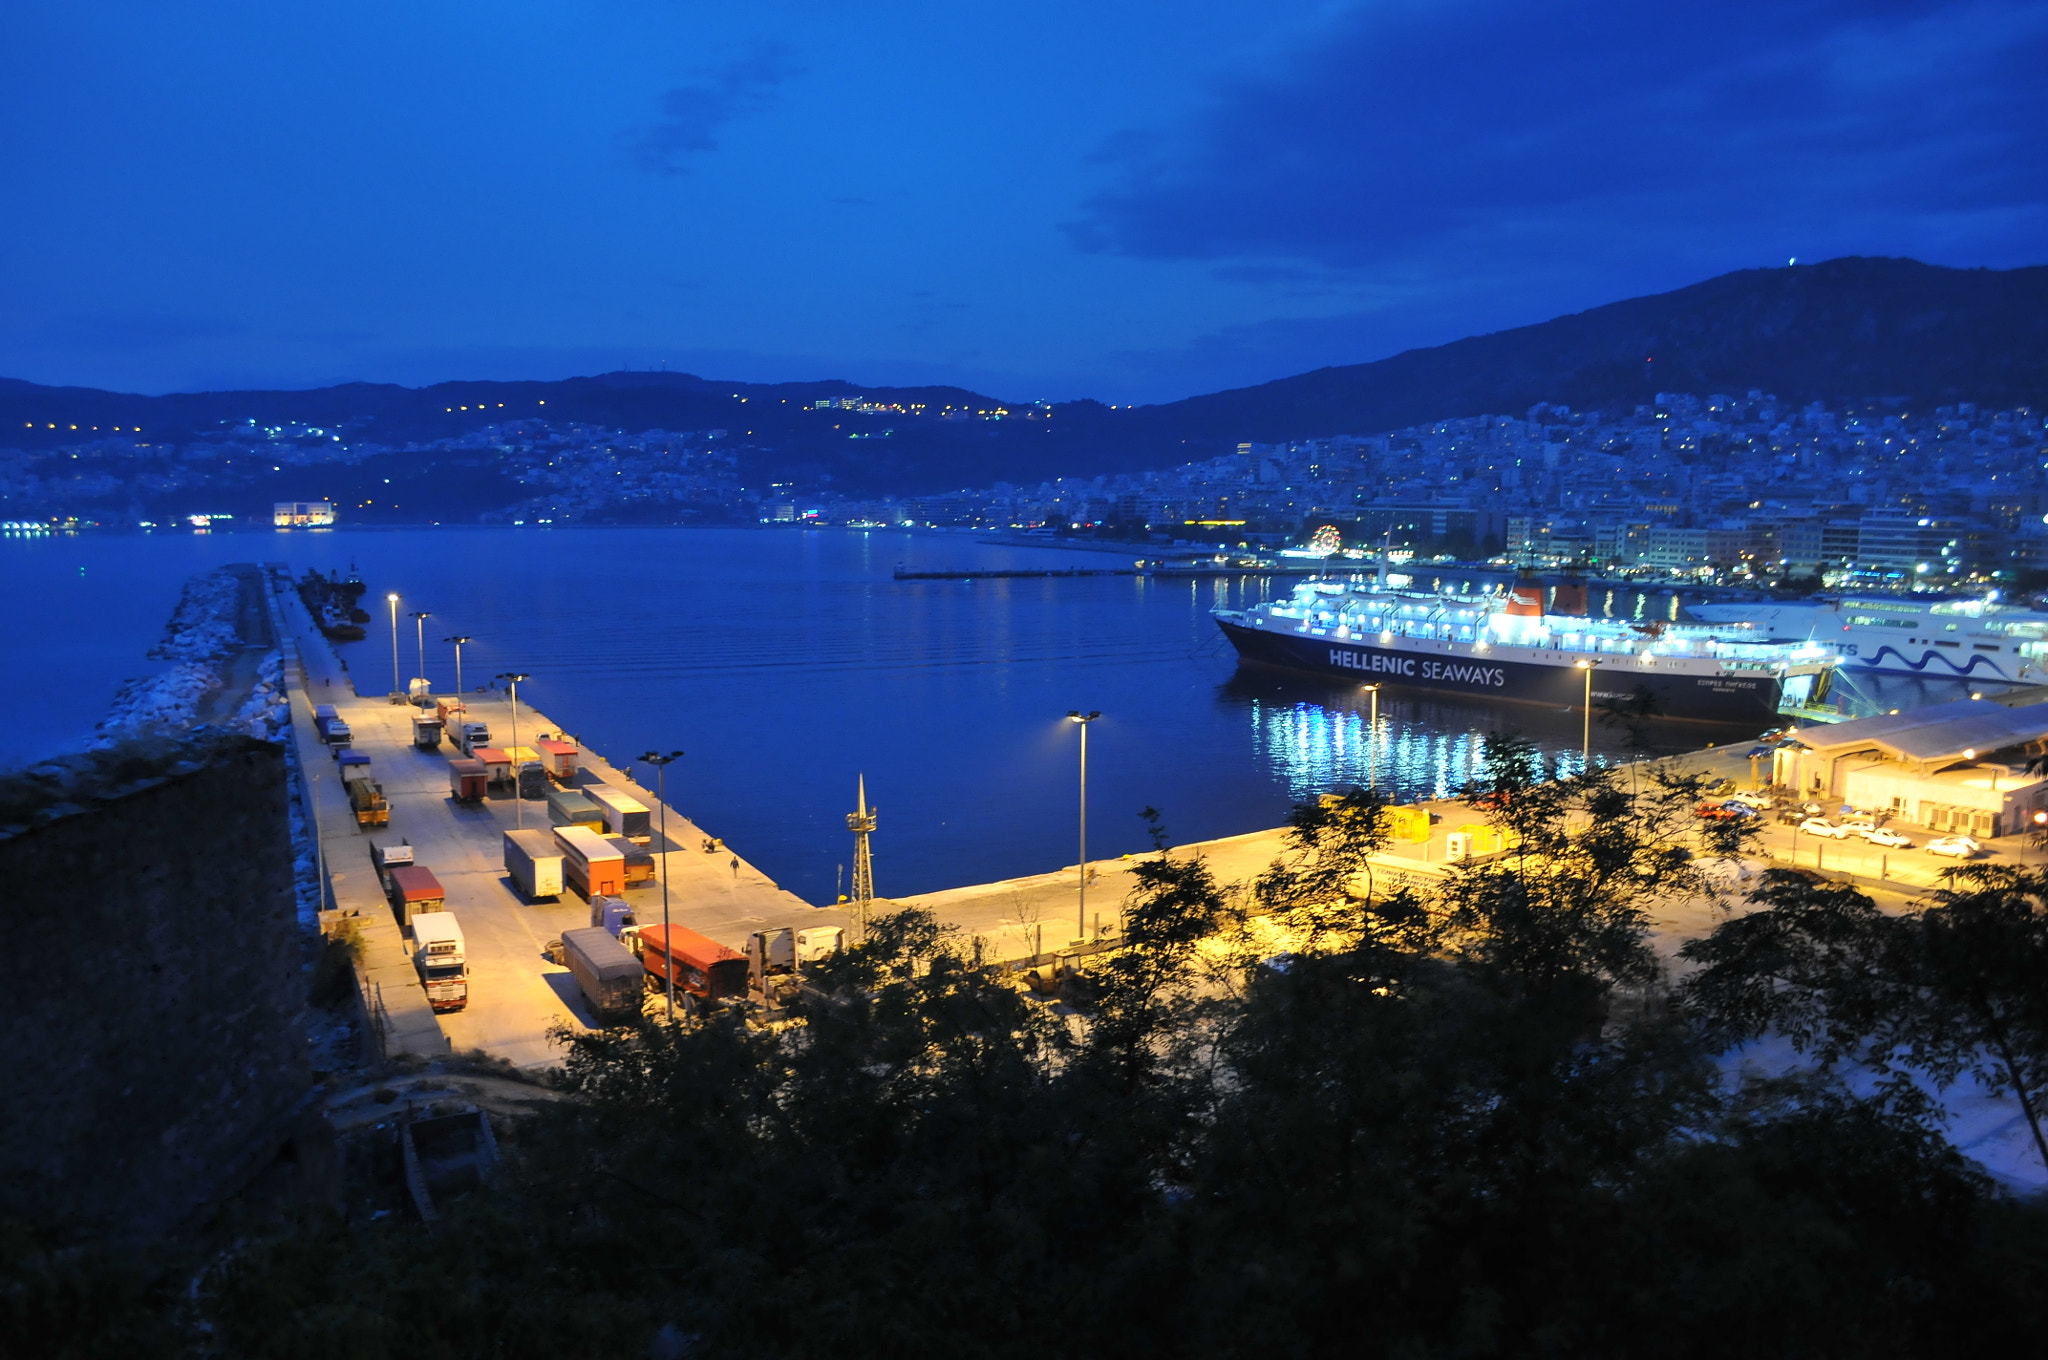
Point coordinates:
pixel 471 735
pixel 438 955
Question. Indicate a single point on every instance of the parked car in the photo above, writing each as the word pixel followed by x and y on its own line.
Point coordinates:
pixel 1821 826
pixel 1956 847
pixel 1761 802
pixel 1885 836
pixel 1724 812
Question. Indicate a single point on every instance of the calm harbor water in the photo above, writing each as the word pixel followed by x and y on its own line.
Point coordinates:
pixel 786 662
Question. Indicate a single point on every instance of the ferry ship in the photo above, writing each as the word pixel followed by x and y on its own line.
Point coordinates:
pixel 1505 645
pixel 1966 639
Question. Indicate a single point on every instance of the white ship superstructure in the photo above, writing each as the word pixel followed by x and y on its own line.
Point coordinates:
pixel 1963 639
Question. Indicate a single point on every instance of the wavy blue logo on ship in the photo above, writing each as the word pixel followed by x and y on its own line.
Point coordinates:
pixel 1410 668
pixel 1877 662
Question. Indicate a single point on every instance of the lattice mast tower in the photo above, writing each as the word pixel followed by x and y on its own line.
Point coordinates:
pixel 862 824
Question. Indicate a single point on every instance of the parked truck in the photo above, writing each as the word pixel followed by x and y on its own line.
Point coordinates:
pixel 366 797
pixel 624 815
pixel 590 864
pixel 559 757
pixel 451 711
pixel 426 733
pixel 611 978
pixel 533 779
pixel 639 861
pixel 353 764
pixel 701 966
pixel 567 807
pixel 471 735
pixel 468 781
pixel 414 892
pixel 328 725
pixel 613 915
pixel 439 957
pixel 535 863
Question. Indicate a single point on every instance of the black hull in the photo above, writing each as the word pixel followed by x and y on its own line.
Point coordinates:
pixel 1745 698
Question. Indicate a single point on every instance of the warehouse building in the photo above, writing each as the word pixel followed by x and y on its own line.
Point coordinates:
pixel 1960 767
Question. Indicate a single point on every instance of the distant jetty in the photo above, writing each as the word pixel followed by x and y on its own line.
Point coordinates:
pixel 1173 569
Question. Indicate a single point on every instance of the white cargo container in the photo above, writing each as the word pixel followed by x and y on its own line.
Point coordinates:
pixel 535 863
pixel 624 815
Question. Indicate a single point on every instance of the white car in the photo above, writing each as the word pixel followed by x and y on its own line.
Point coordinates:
pixel 1821 826
pixel 1885 836
pixel 1957 847
pixel 1762 802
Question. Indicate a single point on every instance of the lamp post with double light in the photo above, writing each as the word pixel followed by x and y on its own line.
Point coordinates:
pixel 661 762
pixel 513 678
pixel 1083 719
pixel 419 623
pixel 458 640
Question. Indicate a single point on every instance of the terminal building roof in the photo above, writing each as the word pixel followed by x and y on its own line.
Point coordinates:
pixel 1935 734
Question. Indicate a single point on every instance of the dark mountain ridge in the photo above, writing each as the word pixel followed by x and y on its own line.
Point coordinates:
pixel 1844 332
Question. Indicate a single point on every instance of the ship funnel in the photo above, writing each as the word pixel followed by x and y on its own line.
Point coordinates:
pixel 1525 600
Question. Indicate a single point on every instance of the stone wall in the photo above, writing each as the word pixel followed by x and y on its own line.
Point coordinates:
pixel 151 996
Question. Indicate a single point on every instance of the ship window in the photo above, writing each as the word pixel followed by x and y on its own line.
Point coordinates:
pixel 1987 646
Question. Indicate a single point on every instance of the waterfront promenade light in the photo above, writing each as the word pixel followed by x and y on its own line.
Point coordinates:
pixel 1083 719
pixel 1586 735
pixel 397 690
pixel 513 678
pixel 661 763
pixel 458 640
pixel 419 621
pixel 1372 748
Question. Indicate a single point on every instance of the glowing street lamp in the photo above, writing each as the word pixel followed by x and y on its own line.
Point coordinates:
pixel 661 763
pixel 518 803
pixel 1586 735
pixel 458 640
pixel 397 691
pixel 419 622
pixel 1077 716
pixel 1372 748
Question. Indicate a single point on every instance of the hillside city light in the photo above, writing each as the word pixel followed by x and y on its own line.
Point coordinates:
pixel 661 763
pixel 1076 716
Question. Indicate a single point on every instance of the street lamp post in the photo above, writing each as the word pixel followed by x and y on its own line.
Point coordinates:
pixel 458 640
pixel 392 600
pixel 1372 748
pixel 518 802
pixel 1586 733
pixel 419 623
pixel 660 763
pixel 1077 716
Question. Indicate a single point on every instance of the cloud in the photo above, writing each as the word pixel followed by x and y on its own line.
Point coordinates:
pixel 692 115
pixel 1432 138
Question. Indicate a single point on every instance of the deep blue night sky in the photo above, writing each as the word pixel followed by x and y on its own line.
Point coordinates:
pixel 1134 201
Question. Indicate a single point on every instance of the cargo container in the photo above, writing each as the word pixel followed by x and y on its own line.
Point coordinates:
pixel 639 860
pixel 438 956
pixel 702 966
pixel 354 765
pixel 612 915
pixel 567 807
pixel 533 780
pixel 366 800
pixel 590 864
pixel 535 863
pixel 451 711
pixel 497 765
pixel 414 891
pixel 559 757
pixel 468 781
pixel 624 815
pixel 611 978
pixel 321 711
pixel 818 942
pixel 426 733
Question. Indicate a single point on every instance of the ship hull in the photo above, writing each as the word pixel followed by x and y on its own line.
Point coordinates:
pixel 1448 668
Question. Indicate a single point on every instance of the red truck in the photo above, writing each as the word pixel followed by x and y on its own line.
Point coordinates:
pixel 414 890
pixel 703 967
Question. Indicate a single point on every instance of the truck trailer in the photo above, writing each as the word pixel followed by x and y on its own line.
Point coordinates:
pixel 590 864
pixel 366 798
pixel 567 807
pixel 414 892
pixel 438 956
pixel 702 967
pixel 328 725
pixel 639 860
pixel 426 733
pixel 560 759
pixel 535 863
pixel 612 979
pixel 624 815
pixel 468 781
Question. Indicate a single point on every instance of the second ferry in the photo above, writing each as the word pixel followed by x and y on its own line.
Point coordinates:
pixel 1928 636
pixel 1507 645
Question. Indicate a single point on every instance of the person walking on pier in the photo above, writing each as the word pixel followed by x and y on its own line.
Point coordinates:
pixel 735 866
